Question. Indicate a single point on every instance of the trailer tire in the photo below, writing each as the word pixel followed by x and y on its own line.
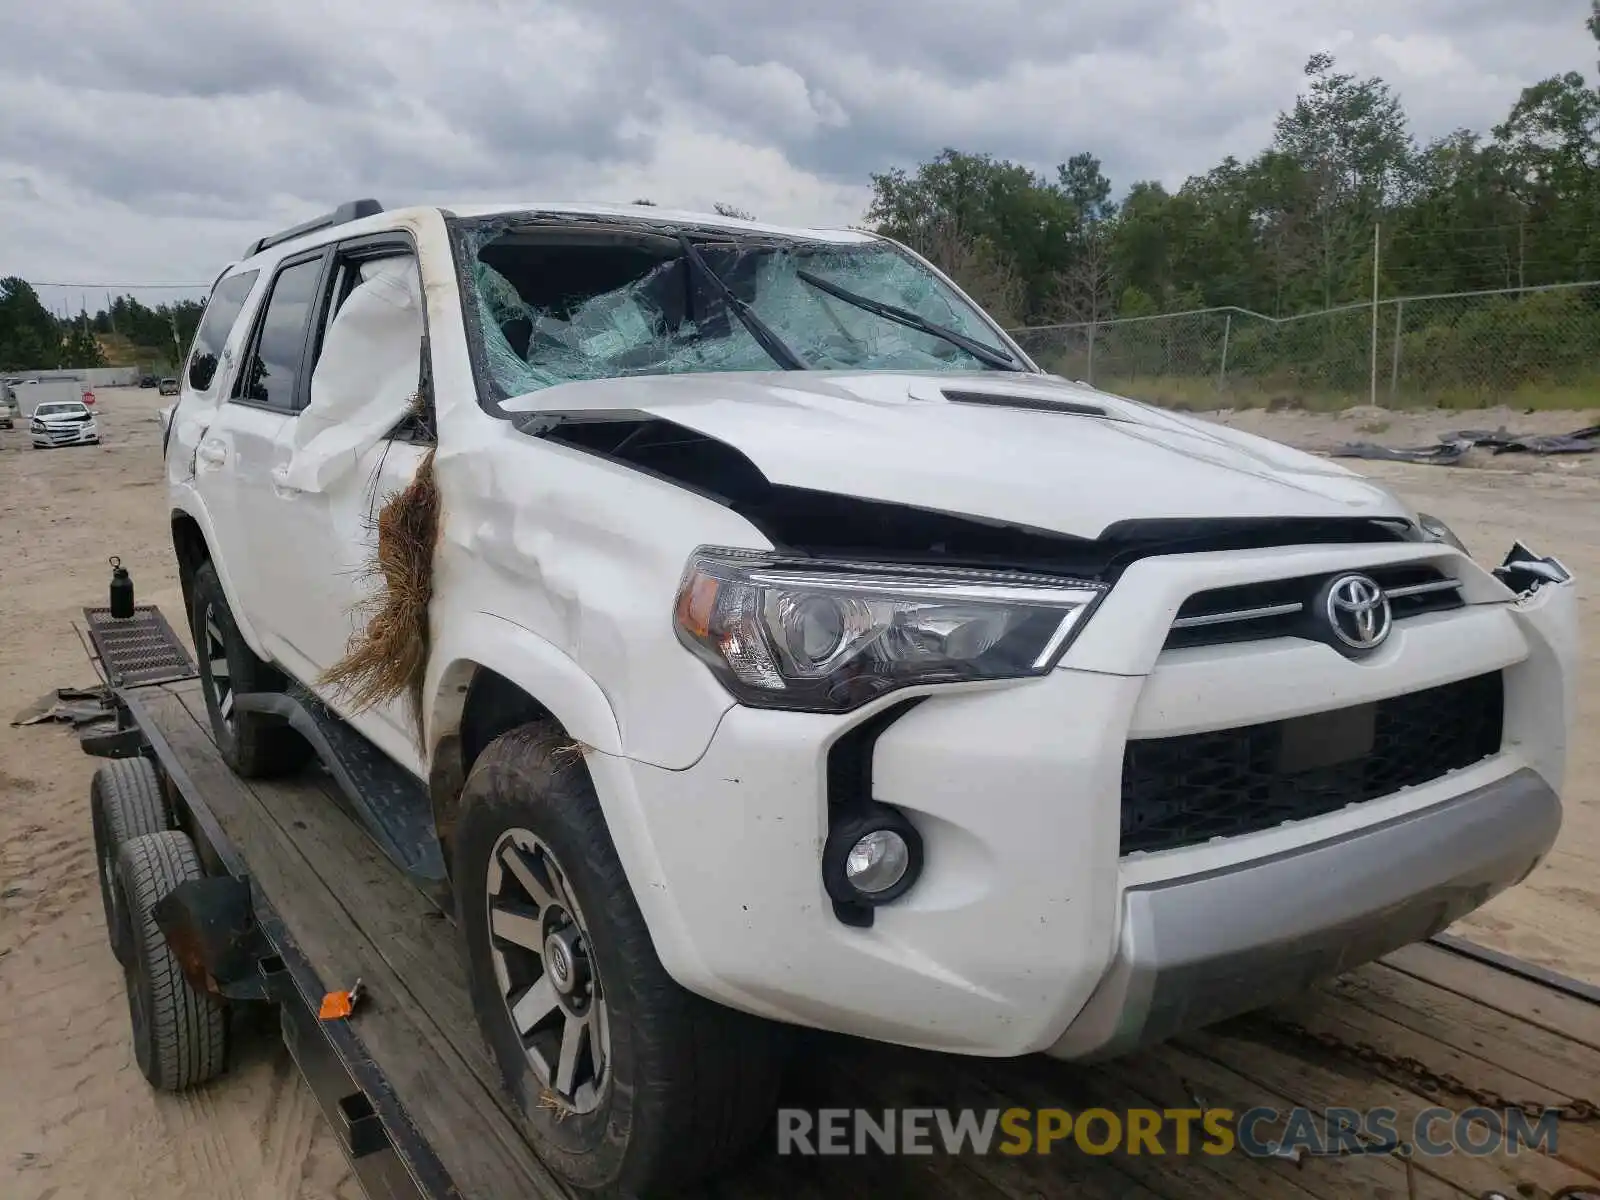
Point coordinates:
pixel 180 1034
pixel 691 1083
pixel 126 800
pixel 256 745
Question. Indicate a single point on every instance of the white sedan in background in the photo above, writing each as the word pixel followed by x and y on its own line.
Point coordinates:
pixel 63 423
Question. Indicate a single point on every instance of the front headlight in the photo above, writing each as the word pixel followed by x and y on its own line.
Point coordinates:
pixel 1436 530
pixel 829 636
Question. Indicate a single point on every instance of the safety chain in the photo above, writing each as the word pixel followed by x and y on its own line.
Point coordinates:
pixel 1577 1111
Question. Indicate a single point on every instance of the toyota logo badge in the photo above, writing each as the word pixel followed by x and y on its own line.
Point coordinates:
pixel 1358 612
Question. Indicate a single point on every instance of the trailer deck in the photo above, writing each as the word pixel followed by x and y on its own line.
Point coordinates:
pixel 426 1115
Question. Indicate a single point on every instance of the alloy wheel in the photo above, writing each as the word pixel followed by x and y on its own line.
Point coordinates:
pixel 216 651
pixel 540 947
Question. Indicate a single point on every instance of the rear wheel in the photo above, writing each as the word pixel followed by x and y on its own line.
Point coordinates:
pixel 125 801
pixel 180 1035
pixel 628 1083
pixel 256 745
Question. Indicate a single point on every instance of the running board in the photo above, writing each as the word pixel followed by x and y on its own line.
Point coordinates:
pixel 390 803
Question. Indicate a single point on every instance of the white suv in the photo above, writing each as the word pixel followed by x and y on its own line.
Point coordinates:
pixel 786 649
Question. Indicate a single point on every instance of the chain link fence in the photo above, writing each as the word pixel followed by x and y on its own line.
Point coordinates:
pixel 1526 347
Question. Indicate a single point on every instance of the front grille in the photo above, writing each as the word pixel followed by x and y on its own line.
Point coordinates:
pixel 1281 607
pixel 1181 791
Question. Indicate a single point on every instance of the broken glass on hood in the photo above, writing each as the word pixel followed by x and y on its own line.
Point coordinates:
pixel 559 304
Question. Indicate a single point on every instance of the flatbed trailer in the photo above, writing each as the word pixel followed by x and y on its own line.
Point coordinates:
pixel 304 904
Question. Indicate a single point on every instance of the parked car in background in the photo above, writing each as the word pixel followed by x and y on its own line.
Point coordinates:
pixel 63 423
pixel 168 387
pixel 147 381
pixel 9 410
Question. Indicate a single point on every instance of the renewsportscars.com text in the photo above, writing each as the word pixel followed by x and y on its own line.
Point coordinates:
pixel 1261 1132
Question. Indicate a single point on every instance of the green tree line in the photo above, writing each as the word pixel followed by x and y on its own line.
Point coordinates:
pixel 1289 230
pixel 33 339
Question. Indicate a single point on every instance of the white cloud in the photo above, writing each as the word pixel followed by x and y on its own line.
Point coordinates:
pixel 153 140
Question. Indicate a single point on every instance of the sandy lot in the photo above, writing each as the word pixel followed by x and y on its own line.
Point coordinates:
pixel 76 1118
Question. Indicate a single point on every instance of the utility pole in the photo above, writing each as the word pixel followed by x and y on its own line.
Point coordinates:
pixel 1373 390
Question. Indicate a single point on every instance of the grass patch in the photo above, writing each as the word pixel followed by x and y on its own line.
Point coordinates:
pixel 388 657
pixel 1202 395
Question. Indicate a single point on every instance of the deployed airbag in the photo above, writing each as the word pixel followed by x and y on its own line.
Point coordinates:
pixel 365 380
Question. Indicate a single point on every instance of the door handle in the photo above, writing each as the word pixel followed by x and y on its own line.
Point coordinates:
pixel 212 452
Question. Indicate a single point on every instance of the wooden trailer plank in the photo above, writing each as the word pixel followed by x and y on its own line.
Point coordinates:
pixel 1556 1066
pixel 1571 1017
pixel 1316 1080
pixel 1179 1078
pixel 1579 1144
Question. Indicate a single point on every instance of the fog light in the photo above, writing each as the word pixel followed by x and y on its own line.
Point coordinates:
pixel 873 855
pixel 877 862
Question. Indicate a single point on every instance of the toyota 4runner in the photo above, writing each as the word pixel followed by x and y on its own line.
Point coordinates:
pixel 734 630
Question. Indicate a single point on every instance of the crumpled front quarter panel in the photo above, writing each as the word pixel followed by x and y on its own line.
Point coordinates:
pixel 588 556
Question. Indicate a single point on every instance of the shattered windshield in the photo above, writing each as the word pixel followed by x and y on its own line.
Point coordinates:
pixel 562 304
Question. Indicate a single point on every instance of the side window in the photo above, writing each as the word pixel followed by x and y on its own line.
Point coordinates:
pixel 272 368
pixel 222 310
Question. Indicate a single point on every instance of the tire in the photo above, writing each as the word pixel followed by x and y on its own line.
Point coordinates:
pixel 126 801
pixel 255 745
pixel 180 1035
pixel 687 1085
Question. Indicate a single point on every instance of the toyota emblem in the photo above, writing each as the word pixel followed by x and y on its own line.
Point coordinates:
pixel 1358 612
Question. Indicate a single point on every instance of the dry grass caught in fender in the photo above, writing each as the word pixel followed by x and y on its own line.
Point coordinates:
pixel 388 657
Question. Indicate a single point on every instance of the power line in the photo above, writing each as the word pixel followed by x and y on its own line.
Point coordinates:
pixel 143 286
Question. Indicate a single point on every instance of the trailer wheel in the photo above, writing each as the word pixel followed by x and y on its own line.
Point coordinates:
pixel 126 800
pixel 180 1035
pixel 255 745
pixel 627 1082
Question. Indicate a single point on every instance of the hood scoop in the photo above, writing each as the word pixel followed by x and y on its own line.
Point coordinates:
pixel 1030 403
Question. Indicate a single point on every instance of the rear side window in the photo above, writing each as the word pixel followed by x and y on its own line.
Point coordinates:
pixel 222 310
pixel 272 368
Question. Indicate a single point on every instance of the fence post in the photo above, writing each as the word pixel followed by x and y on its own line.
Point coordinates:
pixel 1222 371
pixel 1394 368
pixel 1372 393
pixel 1090 380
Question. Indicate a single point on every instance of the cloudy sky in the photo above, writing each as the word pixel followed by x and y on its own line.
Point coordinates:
pixel 149 141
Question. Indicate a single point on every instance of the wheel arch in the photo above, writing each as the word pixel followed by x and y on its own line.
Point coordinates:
pixel 192 539
pixel 473 703
pixel 190 548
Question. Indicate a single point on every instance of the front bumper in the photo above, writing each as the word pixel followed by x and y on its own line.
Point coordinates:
pixel 1028 930
pixel 1197 950
pixel 77 434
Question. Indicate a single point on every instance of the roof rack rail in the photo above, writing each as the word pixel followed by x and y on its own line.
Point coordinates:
pixel 352 211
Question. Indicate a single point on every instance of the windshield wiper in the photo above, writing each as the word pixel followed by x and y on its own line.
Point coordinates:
pixel 996 358
pixel 769 341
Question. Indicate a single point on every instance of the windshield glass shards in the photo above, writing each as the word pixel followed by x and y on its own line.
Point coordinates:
pixel 563 303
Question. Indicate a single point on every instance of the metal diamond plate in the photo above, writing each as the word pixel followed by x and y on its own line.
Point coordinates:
pixel 139 649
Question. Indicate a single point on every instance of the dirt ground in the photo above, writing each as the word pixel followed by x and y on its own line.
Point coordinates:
pixel 76 1118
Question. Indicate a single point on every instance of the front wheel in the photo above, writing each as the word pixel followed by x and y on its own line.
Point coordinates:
pixel 627 1082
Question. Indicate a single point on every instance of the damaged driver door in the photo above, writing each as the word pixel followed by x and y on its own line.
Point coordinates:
pixel 352 448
